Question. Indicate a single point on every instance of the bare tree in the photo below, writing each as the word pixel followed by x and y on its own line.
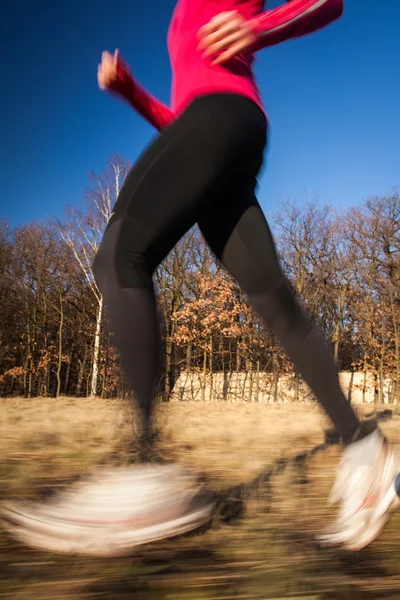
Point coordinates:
pixel 83 232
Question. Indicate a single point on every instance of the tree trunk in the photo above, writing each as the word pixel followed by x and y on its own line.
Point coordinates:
pixel 365 382
pixel 392 392
pixel 376 387
pixel 82 368
pixel 337 328
pixel 350 387
pixel 96 349
pixel 380 372
pixel 211 368
pixel 204 378
pixel 250 370
pixel 48 378
pixel 45 349
pixel 238 367
pixel 168 367
pixel 60 334
pixel 336 345
pixel 257 396
pixel 28 350
pixel 105 375
pixel 68 371
pixel 189 357
pixel 227 387
pixel 381 385
pixel 396 345
pixel 33 346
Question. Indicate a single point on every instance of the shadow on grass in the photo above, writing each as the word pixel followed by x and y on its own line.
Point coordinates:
pixel 230 501
pixel 363 575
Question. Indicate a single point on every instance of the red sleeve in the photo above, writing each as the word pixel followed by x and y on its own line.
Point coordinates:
pixel 156 113
pixel 296 18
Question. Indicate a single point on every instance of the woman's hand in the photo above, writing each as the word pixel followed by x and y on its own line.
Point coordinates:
pixel 227 34
pixel 113 75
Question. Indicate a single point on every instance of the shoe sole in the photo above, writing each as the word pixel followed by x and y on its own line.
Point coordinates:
pixel 365 533
pixel 371 532
pixel 94 540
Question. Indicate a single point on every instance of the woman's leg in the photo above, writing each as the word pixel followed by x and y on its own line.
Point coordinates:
pixel 239 235
pixel 365 485
pixel 161 199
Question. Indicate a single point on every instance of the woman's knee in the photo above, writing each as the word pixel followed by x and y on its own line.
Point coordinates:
pixel 122 260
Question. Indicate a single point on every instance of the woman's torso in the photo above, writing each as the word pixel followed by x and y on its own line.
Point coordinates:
pixel 193 76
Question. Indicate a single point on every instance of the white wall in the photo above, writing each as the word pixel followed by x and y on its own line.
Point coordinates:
pixel 237 387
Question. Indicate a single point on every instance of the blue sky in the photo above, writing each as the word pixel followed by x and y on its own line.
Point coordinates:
pixel 332 99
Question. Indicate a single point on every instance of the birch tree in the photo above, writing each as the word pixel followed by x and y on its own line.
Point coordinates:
pixel 83 232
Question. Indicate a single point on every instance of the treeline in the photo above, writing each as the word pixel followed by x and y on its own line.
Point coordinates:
pixel 54 339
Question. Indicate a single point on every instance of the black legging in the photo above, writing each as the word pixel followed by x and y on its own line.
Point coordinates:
pixel 202 169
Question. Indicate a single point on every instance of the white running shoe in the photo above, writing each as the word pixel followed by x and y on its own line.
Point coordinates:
pixel 113 512
pixel 366 489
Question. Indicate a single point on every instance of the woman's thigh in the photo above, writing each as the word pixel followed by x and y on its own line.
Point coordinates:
pixel 181 174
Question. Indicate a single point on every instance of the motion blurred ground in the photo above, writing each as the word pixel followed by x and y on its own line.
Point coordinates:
pixel 269 469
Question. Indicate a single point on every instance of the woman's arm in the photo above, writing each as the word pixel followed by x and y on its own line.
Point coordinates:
pixel 296 18
pixel 156 113
pixel 229 33
pixel 113 75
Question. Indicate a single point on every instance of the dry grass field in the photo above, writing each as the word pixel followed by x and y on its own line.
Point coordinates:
pixel 268 467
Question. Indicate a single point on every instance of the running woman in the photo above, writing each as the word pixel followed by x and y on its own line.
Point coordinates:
pixel 202 168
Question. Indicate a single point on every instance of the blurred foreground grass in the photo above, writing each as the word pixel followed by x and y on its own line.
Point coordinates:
pixel 269 469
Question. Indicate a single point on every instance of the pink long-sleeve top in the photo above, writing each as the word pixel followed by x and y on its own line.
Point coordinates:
pixel 193 75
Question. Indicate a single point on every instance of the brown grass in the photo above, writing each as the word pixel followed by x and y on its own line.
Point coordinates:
pixel 266 552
